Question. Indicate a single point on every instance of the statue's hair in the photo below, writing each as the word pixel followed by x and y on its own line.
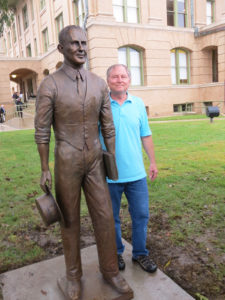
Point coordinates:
pixel 118 65
pixel 64 32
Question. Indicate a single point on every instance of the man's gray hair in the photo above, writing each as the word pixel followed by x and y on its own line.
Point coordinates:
pixel 64 32
pixel 118 65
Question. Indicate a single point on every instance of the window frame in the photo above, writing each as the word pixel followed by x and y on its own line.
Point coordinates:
pixel 45 43
pixel 77 16
pixel 35 47
pixel 128 64
pixel 176 13
pixel 42 4
pixel 177 65
pixel 57 24
pixel 125 9
pixel 189 107
pixel 14 32
pixel 215 75
pixel 212 17
pixel 28 51
pixel 25 17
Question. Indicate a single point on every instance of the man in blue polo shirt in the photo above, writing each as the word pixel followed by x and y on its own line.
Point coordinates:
pixel 132 131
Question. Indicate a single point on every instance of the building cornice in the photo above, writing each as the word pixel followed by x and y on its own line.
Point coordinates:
pixel 175 87
pixel 92 22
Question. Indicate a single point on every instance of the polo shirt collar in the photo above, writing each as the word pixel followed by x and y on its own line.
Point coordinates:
pixel 73 73
pixel 129 98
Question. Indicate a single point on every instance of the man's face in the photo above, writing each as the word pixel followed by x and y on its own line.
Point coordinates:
pixel 74 47
pixel 118 80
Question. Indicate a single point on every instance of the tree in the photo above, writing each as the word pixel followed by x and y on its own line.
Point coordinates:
pixel 6 15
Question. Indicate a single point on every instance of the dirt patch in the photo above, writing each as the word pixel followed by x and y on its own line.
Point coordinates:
pixel 190 266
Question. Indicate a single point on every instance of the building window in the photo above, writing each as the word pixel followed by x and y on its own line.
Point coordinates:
pixel 180 66
pixel 32 9
pixel 25 17
pixel 214 65
pixel 132 58
pixel 210 8
pixel 19 25
pixel 126 11
pixel 9 40
pixel 185 107
pixel 42 4
pixel 45 39
pixel 79 8
pixel 28 51
pixel 59 25
pixel 177 13
pixel 35 47
pixel 14 33
pixel 5 46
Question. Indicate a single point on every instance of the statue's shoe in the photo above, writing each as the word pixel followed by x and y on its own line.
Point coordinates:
pixel 70 288
pixel 119 283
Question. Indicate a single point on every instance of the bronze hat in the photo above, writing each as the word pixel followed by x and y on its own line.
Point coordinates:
pixel 49 209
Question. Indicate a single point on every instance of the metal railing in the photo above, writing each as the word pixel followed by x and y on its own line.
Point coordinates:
pixel 26 110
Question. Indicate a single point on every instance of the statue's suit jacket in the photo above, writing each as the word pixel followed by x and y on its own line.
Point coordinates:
pixel 75 120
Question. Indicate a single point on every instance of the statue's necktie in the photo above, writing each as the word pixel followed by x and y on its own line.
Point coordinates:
pixel 80 85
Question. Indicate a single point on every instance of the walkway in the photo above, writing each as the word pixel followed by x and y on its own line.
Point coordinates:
pixel 38 281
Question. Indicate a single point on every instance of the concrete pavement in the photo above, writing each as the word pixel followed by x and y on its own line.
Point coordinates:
pixel 39 281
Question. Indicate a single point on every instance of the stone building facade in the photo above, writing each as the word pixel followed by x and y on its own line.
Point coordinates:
pixel 175 49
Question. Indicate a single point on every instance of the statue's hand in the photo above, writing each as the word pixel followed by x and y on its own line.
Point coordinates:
pixel 46 180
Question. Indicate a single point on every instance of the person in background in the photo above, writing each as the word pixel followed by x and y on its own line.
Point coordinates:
pixel 15 96
pixel 132 131
pixel 19 107
pixel 2 114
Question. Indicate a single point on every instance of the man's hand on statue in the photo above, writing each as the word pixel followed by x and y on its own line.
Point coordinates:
pixel 46 180
pixel 153 172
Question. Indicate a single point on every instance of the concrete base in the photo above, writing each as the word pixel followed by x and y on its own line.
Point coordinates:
pixel 39 281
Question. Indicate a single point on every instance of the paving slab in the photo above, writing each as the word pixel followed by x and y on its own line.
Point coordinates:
pixel 39 281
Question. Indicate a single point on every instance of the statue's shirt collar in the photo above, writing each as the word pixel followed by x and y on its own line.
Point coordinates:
pixel 74 73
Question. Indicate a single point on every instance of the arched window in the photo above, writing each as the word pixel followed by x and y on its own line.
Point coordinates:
pixel 132 58
pixel 126 11
pixel 180 66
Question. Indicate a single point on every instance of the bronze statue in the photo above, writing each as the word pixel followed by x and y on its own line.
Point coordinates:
pixel 74 101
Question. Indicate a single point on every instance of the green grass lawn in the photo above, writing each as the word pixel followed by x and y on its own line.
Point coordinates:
pixel 182 117
pixel 190 188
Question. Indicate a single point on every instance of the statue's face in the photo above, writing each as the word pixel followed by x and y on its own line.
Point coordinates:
pixel 74 47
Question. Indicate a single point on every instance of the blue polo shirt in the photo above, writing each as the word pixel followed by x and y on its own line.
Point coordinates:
pixel 131 123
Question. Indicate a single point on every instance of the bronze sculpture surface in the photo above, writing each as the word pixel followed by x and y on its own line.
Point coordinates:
pixel 74 101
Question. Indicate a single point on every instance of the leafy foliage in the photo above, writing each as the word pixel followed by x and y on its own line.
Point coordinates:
pixel 6 15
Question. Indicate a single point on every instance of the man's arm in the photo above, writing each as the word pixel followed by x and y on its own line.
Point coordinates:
pixel 149 149
pixel 46 178
pixel 43 121
pixel 107 125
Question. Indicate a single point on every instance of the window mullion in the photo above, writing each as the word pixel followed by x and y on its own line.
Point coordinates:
pixel 175 13
pixel 142 67
pixel 213 11
pixel 138 11
pixel 177 66
pixel 188 67
pixel 186 13
pixel 125 10
pixel 128 57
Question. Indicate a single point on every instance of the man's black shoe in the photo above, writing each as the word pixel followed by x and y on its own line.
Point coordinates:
pixel 121 262
pixel 146 263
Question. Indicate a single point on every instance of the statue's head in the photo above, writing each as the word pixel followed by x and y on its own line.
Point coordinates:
pixel 73 45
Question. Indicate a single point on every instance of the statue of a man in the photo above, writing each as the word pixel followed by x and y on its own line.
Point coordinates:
pixel 75 101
